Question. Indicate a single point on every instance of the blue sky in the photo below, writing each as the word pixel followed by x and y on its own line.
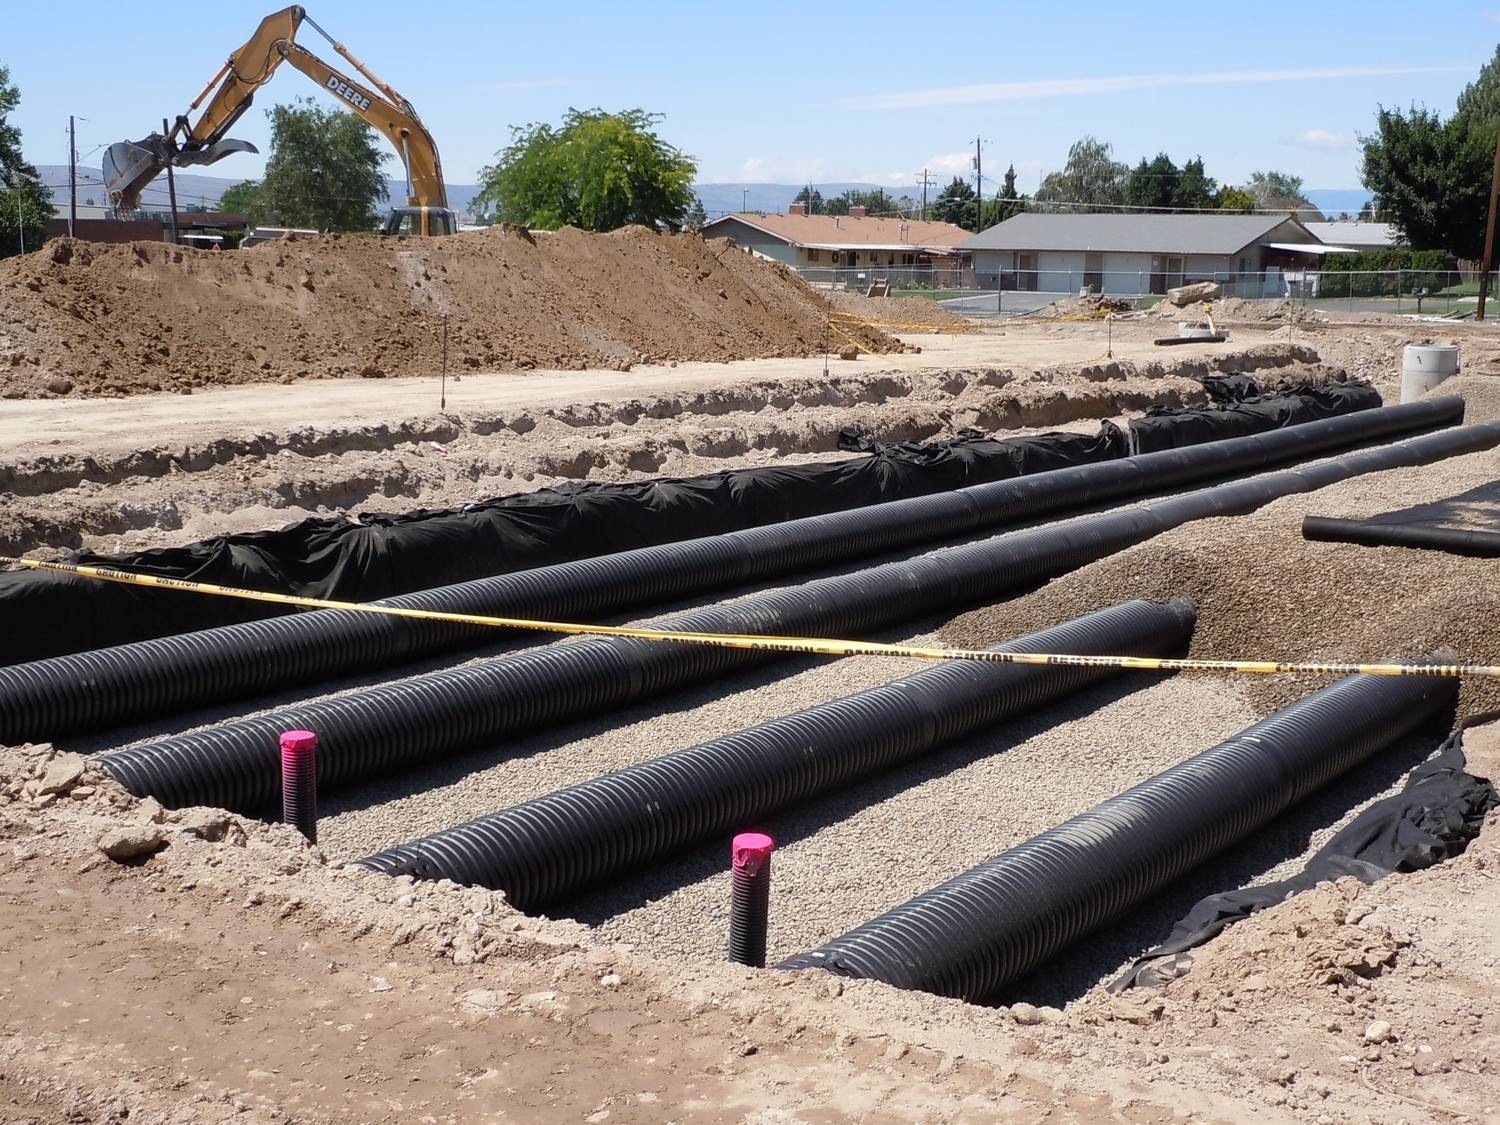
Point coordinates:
pixel 784 91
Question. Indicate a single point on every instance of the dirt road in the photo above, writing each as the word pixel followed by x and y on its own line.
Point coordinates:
pixel 38 427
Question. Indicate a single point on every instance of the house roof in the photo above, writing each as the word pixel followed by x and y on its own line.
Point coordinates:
pixel 837 232
pixel 1176 234
pixel 1372 236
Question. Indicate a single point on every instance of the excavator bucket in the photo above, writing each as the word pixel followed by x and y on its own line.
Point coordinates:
pixel 130 166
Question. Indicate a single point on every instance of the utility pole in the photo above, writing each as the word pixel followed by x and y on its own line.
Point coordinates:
pixel 744 200
pixel 978 187
pixel 1487 261
pixel 72 178
pixel 171 185
pixel 926 181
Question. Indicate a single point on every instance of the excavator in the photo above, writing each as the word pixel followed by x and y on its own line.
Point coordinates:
pixel 130 165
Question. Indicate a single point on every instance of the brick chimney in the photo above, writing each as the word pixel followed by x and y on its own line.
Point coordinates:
pixel 797 208
pixel 859 211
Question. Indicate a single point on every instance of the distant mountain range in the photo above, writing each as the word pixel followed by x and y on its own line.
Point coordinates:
pixel 196 192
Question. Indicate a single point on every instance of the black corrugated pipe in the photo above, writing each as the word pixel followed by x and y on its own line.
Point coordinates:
pixel 980 930
pixel 65 695
pixel 551 847
pixel 1474 542
pixel 369 732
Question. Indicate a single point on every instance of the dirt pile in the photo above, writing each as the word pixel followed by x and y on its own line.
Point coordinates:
pixel 1079 308
pixel 903 312
pixel 1239 310
pixel 1263 592
pixel 88 318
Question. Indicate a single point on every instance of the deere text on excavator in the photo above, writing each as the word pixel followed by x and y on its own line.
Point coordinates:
pixel 130 165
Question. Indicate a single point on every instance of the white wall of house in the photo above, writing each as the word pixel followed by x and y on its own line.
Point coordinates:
pixel 1124 273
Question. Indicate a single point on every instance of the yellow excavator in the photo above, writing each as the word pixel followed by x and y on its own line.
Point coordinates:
pixel 130 165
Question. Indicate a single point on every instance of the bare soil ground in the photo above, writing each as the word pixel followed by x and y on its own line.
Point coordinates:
pixel 230 972
pixel 100 488
pixel 233 975
pixel 87 318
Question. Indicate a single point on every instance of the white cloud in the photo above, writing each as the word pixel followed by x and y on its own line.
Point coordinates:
pixel 526 84
pixel 1066 87
pixel 1489 14
pixel 950 163
pixel 1325 139
pixel 760 170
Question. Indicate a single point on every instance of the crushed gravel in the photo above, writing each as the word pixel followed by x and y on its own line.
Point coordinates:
pixel 1262 591
pixel 1265 593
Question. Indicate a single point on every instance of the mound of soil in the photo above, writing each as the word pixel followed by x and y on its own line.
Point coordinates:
pixel 1077 308
pixel 1240 310
pixel 89 318
pixel 903 311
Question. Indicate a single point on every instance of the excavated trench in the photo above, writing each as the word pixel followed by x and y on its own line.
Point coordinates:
pixel 162 496
pixel 680 910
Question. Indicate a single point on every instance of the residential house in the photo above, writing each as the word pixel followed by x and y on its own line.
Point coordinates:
pixel 1359 236
pixel 894 249
pixel 1128 254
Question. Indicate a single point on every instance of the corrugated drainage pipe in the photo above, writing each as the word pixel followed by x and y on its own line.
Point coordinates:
pixel 549 848
pixel 64 695
pixel 982 929
pixel 366 733
pixel 1471 541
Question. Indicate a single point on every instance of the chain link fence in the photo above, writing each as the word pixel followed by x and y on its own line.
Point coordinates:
pixel 1403 292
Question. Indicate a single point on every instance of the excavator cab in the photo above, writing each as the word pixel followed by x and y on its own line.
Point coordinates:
pixel 404 222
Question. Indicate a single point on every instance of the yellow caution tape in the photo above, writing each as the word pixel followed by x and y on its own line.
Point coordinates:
pixel 812 646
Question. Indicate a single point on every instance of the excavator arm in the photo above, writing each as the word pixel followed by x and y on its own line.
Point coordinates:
pixel 130 165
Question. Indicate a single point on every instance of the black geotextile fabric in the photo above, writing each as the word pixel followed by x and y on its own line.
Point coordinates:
pixel 1234 387
pixel 1441 808
pixel 1169 428
pixel 379 555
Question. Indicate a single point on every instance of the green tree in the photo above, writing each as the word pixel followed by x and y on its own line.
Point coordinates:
pixel 1153 185
pixel 813 198
pixel 876 200
pixel 597 171
pixel 1090 175
pixel 696 215
pixel 1195 188
pixel 1008 201
pixel 324 170
pixel 1431 177
pixel 1272 187
pixel 1480 100
pixel 241 199
pixel 24 201
pixel 1234 199
pixel 955 204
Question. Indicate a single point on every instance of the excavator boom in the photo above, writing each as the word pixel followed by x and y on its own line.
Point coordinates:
pixel 130 166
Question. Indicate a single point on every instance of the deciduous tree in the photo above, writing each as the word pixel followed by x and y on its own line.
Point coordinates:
pixel 241 199
pixel 1090 175
pixel 597 171
pixel 323 172
pixel 24 201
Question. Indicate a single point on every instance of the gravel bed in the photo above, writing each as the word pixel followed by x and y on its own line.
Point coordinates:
pixel 843 859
